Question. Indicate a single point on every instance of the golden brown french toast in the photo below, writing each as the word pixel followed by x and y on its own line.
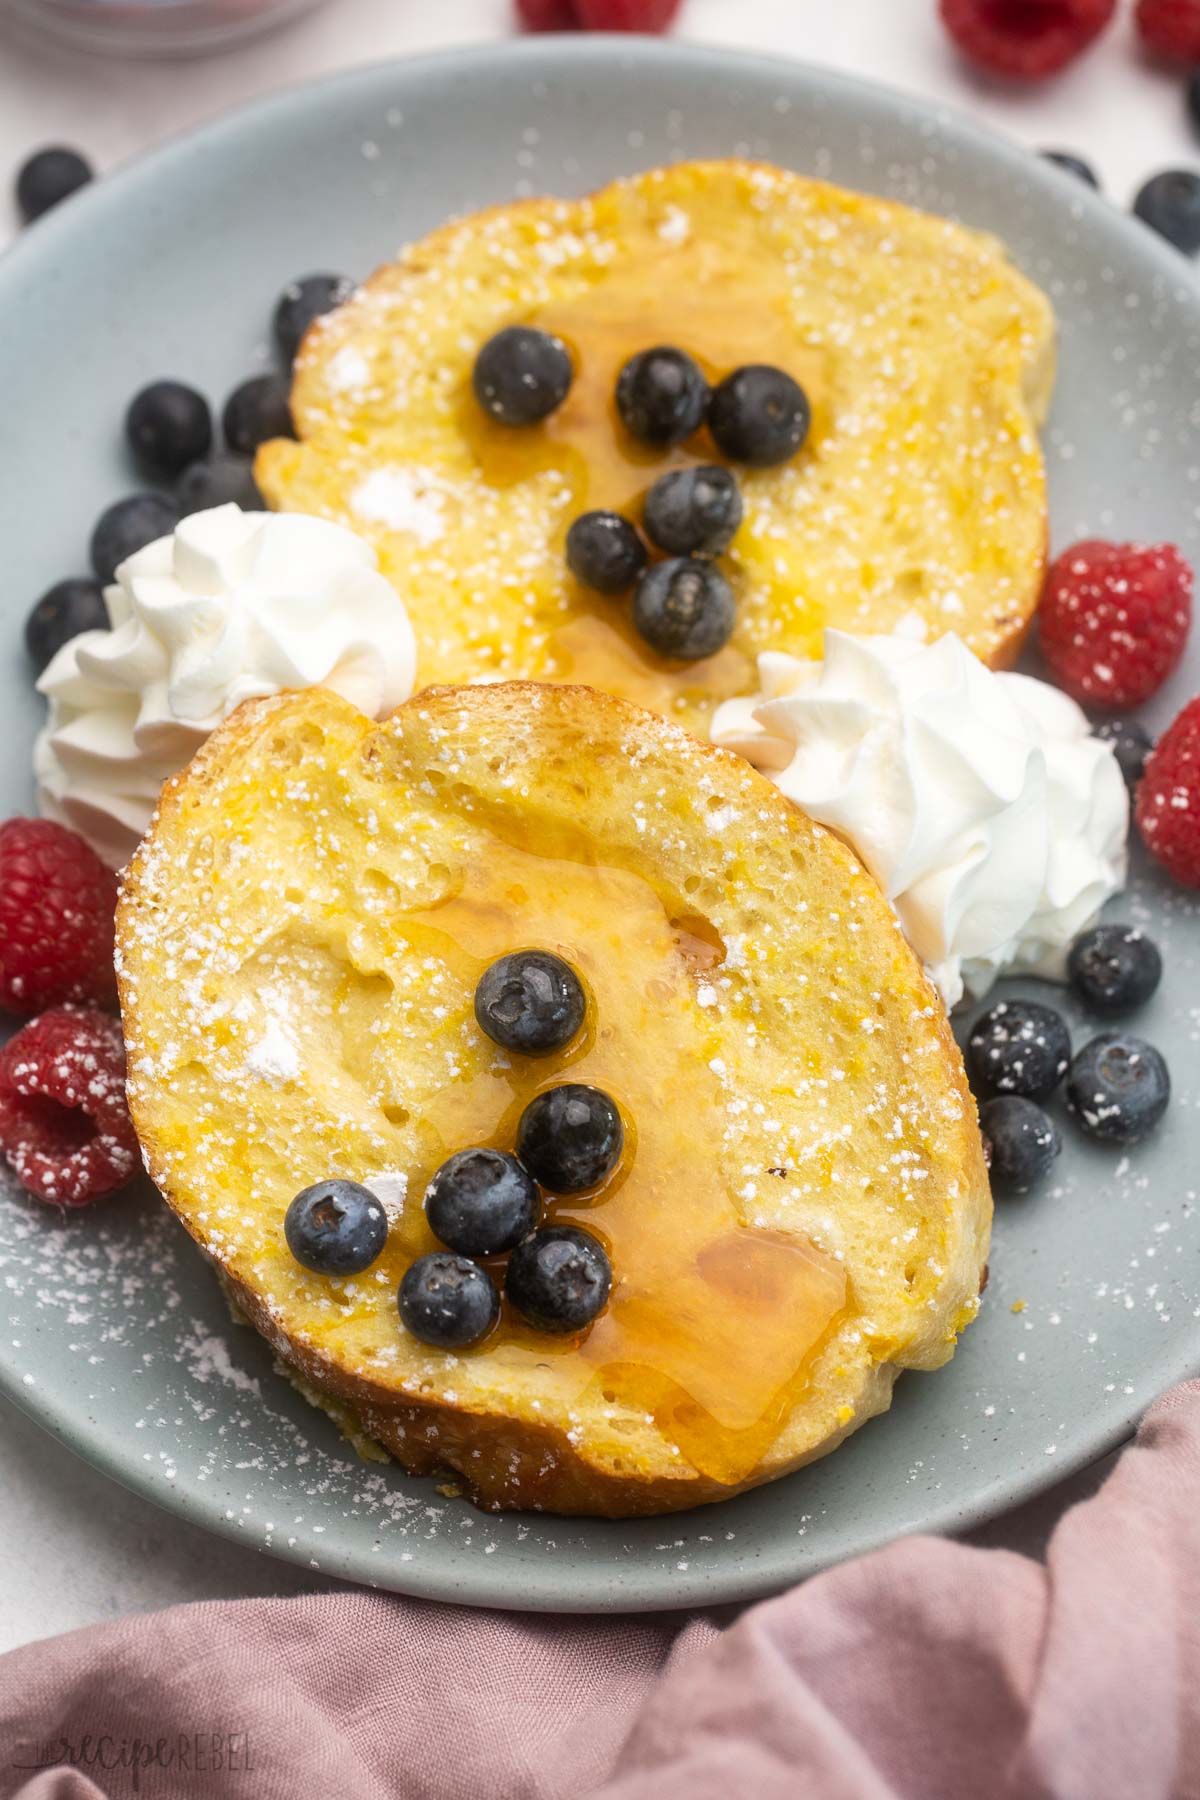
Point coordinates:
pixel 926 357
pixel 801 1209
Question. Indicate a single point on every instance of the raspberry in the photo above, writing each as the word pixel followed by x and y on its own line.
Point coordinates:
pixel 626 15
pixel 547 15
pixel 57 902
pixel 1168 798
pixel 1025 38
pixel 64 1124
pixel 597 15
pixel 1114 620
pixel 1171 27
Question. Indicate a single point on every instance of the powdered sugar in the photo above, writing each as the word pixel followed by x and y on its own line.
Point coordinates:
pixel 207 1359
pixel 404 499
pixel 674 227
pixel 390 1188
pixel 275 1057
pixel 348 371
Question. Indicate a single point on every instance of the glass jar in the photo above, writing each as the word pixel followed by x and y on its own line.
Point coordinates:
pixel 151 27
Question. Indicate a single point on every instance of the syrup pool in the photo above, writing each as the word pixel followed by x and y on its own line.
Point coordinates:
pixel 712 1326
pixel 728 320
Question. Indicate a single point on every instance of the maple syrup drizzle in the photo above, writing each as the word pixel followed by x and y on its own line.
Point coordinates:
pixel 712 1326
pixel 692 297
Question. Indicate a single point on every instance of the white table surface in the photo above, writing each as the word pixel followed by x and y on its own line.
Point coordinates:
pixel 74 1548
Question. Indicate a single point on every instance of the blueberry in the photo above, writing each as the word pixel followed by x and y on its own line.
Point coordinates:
pixel 1021 1139
pixel 216 481
pixel 684 609
pixel 1170 204
pixel 605 552
pixel 482 1202
pixel 1019 1047
pixel 128 526
pixel 1074 165
pixel 662 395
pixel 522 375
pixel 559 1279
pixel 63 611
pixel 1114 969
pixel 303 301
pixel 257 410
pixel 168 426
pixel 335 1228
pixel 759 415
pixel 694 512
pixel 530 1001
pixel 1118 1087
pixel 1131 744
pixel 448 1301
pixel 570 1138
pixel 47 177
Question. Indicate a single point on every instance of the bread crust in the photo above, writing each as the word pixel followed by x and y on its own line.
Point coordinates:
pixel 499 1434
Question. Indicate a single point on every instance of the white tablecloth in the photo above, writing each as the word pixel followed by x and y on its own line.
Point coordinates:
pixel 77 1549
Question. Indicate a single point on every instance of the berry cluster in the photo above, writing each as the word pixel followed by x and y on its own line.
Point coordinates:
pixel 683 606
pixel 170 433
pixel 1117 1085
pixel 1027 40
pixel 1031 39
pixel 1114 622
pixel 483 1203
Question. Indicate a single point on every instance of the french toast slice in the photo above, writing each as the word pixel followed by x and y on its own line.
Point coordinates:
pixel 802 1209
pixel 919 495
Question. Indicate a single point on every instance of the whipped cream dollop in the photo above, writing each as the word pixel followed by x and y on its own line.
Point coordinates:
pixel 992 819
pixel 232 606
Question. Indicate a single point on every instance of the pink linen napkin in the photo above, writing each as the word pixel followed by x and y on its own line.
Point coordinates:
pixel 929 1670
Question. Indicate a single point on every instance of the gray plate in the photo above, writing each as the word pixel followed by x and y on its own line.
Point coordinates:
pixel 117 1339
